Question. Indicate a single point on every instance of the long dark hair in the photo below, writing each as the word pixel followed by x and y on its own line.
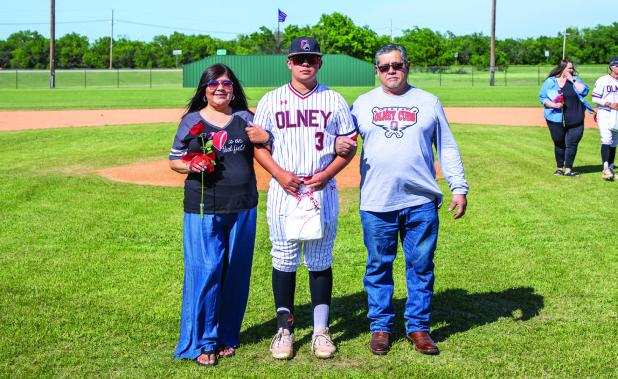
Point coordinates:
pixel 561 66
pixel 217 70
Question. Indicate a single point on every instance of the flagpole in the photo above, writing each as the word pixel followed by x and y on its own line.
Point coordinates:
pixel 278 40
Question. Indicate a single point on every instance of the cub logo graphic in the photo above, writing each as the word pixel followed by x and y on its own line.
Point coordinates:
pixel 394 120
pixel 304 44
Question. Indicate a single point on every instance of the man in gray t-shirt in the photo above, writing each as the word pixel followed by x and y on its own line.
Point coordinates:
pixel 400 198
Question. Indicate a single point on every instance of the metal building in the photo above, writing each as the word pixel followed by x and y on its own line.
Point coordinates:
pixel 272 71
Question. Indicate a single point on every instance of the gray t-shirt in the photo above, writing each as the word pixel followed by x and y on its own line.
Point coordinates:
pixel 397 163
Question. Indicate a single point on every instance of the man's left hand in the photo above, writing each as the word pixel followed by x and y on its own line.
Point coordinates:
pixel 459 202
pixel 345 146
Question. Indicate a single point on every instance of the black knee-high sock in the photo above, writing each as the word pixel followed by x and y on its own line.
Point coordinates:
pixel 605 153
pixel 321 286
pixel 612 155
pixel 284 287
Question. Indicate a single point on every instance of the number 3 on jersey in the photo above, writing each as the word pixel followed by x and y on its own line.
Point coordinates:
pixel 319 140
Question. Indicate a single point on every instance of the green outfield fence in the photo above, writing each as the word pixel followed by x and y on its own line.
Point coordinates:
pixel 271 71
pixel 118 78
pixel 452 76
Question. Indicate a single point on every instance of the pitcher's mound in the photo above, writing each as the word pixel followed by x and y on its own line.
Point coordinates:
pixel 158 173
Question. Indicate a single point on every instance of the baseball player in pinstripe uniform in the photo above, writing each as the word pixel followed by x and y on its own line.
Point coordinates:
pixel 605 94
pixel 304 118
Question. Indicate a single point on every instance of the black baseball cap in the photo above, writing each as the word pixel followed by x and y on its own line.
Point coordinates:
pixel 613 62
pixel 304 45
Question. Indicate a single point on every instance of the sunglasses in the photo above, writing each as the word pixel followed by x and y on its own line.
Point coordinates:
pixel 312 59
pixel 397 66
pixel 214 84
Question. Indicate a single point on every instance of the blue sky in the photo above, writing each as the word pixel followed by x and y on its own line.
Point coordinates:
pixel 141 20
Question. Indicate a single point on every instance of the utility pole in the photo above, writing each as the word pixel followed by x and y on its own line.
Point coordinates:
pixel 492 53
pixel 52 46
pixel 391 30
pixel 564 34
pixel 111 43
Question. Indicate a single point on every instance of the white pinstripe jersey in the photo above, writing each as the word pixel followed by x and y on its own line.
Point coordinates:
pixel 606 89
pixel 304 126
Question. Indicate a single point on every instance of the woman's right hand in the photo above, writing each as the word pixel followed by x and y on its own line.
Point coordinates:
pixel 288 181
pixel 558 105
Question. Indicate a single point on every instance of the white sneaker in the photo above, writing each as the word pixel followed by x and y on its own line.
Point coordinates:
pixel 322 344
pixel 282 345
pixel 608 174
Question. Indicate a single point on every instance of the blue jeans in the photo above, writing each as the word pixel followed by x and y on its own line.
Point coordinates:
pixel 218 252
pixel 418 229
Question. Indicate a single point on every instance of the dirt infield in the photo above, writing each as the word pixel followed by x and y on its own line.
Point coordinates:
pixel 159 173
pixel 20 120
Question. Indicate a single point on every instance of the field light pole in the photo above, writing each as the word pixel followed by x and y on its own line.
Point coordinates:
pixel 111 43
pixel 492 53
pixel 564 34
pixel 52 46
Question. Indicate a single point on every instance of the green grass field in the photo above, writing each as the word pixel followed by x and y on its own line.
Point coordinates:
pixel 91 270
pixel 127 89
pixel 124 98
pixel 39 79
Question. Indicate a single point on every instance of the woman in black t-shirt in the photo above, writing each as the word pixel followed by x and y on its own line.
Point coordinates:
pixel 214 147
pixel 562 95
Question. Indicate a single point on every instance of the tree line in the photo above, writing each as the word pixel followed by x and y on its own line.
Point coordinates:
pixel 336 33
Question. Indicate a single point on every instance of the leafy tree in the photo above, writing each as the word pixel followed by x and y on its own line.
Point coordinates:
pixel 426 47
pixel 5 54
pixel 262 42
pixel 337 34
pixel 29 50
pixel 70 50
pixel 97 55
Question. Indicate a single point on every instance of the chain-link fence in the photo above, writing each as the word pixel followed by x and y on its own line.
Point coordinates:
pixel 452 76
pixel 466 76
pixel 115 78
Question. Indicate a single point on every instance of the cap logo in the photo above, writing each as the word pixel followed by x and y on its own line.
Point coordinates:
pixel 304 44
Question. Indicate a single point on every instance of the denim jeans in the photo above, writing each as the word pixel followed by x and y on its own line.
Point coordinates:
pixel 418 229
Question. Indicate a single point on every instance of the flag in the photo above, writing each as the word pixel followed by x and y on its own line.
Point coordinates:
pixel 282 15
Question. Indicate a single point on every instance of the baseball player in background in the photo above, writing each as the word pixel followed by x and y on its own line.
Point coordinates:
pixel 605 94
pixel 304 118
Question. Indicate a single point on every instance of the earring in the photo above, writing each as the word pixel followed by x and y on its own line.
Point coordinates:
pixel 204 99
pixel 233 97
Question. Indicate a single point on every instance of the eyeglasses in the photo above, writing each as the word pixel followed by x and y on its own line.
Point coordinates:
pixel 312 59
pixel 397 66
pixel 214 84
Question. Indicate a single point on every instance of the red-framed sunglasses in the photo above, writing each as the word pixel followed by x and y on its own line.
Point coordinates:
pixel 214 84
pixel 299 59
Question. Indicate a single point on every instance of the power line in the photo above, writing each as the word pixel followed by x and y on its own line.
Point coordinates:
pixel 47 23
pixel 173 27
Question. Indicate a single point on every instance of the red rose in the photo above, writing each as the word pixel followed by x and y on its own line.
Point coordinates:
pixel 210 164
pixel 197 129
pixel 189 157
pixel 559 99
pixel 208 160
